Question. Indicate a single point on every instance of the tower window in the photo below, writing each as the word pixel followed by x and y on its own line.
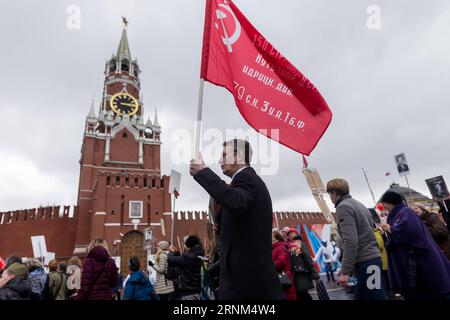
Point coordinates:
pixel 127 181
pixel 136 182
pixel 117 181
pixel 122 209
pixel 145 182
pixel 125 67
pixel 108 181
pixel 113 66
pixel 125 135
pixel 153 183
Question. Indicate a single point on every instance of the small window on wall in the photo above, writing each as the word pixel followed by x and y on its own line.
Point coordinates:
pixel 108 181
pixel 136 209
pixel 117 181
pixel 124 135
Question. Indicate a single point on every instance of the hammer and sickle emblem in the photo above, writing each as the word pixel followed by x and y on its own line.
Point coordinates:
pixel 222 15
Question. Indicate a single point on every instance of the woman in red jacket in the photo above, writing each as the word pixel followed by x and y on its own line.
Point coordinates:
pixel 99 274
pixel 280 257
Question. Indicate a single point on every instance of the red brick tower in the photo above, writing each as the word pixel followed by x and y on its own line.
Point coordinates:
pixel 121 192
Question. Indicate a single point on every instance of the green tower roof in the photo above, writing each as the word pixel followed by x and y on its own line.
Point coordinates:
pixel 124 48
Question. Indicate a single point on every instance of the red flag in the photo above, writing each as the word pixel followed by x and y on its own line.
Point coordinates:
pixel 269 91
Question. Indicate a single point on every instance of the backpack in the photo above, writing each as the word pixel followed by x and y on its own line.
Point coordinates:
pixel 47 292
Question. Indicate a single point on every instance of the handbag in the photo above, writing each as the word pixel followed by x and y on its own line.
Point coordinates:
pixel 285 281
pixel 322 292
pixel 301 269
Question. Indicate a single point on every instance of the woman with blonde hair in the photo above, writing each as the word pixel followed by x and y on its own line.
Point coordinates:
pixel 99 275
pixel 98 243
pixel 163 286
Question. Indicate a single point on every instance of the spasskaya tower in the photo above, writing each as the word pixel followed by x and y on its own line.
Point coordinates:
pixel 122 196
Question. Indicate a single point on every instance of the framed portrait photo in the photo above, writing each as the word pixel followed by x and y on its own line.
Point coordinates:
pixel 136 210
pixel 438 187
pixel 402 164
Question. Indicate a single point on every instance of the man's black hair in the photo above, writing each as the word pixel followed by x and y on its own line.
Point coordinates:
pixel 235 143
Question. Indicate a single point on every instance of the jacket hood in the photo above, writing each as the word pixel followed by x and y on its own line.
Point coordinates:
pixel 20 286
pixel 197 250
pixel 38 272
pixel 279 244
pixel 394 212
pixel 99 254
pixel 138 278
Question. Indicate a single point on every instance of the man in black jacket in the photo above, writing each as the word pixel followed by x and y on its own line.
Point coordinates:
pixel 245 224
pixel 189 266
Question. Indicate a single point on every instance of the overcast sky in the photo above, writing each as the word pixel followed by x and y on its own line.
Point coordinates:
pixel 388 89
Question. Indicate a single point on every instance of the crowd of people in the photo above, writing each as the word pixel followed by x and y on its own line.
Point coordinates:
pixel 406 255
pixel 179 276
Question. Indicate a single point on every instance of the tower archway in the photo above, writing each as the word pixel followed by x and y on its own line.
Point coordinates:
pixel 132 245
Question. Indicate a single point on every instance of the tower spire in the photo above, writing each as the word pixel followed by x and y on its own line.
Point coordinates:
pixel 91 110
pixel 124 48
pixel 156 121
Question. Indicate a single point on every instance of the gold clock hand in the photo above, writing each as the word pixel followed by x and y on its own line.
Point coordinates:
pixel 128 104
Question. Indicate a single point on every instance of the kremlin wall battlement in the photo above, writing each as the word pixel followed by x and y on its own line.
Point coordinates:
pixel 59 224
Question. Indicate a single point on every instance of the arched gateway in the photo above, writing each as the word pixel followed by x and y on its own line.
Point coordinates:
pixel 132 245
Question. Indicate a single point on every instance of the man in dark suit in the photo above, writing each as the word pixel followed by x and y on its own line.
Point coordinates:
pixel 245 225
pixel 401 165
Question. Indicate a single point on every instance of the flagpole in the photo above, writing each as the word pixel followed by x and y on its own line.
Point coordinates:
pixel 445 205
pixel 173 221
pixel 409 188
pixel 198 124
pixel 276 221
pixel 370 188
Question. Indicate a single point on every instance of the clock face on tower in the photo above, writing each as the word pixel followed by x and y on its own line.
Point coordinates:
pixel 123 103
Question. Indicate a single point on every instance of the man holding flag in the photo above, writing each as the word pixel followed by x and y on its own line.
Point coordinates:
pixel 278 101
pixel 245 223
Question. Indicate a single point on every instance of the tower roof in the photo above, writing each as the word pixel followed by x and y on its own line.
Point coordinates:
pixel 156 120
pixel 124 48
pixel 91 110
pixel 410 195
